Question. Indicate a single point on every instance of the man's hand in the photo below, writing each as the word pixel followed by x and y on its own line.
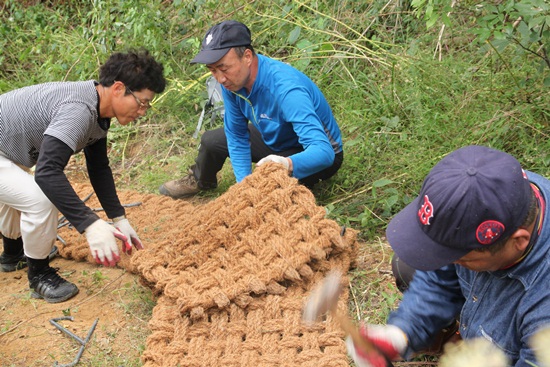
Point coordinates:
pixel 285 161
pixel 101 237
pixel 389 339
pixel 123 225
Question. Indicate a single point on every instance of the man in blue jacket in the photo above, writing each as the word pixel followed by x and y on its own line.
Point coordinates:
pixel 478 238
pixel 273 113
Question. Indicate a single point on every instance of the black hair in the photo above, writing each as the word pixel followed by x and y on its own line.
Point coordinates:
pixel 241 49
pixel 136 69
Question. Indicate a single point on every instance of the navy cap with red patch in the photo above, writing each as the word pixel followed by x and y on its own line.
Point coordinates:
pixel 469 200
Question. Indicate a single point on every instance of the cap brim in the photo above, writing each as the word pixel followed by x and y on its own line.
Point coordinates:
pixel 413 246
pixel 209 56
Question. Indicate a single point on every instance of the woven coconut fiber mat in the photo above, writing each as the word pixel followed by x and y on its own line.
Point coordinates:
pixel 268 332
pixel 251 255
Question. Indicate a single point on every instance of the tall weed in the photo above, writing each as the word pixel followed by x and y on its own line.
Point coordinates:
pixel 400 110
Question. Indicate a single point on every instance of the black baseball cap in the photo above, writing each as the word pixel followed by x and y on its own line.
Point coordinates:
pixel 220 39
pixel 470 199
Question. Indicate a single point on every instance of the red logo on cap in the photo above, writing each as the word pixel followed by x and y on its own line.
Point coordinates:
pixel 489 231
pixel 426 211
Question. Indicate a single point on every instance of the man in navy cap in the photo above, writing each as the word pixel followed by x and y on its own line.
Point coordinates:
pixel 273 113
pixel 477 237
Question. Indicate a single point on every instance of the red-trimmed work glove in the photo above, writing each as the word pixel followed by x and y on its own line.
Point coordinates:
pixel 388 339
pixel 101 237
pixel 123 225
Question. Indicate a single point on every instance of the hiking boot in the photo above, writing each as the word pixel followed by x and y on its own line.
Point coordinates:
pixel 183 187
pixel 9 263
pixel 51 287
pixel 450 334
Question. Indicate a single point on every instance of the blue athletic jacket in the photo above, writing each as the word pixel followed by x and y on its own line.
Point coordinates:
pixel 290 111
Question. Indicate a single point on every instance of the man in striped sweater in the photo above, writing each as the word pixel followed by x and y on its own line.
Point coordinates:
pixel 42 126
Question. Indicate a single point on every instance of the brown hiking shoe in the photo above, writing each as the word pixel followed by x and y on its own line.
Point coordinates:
pixel 450 334
pixel 183 187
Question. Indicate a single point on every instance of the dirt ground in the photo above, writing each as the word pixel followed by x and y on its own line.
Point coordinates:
pixel 113 296
pixel 28 338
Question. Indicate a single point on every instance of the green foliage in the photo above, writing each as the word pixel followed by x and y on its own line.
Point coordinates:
pixel 524 26
pixel 70 42
pixel 434 10
pixel 398 110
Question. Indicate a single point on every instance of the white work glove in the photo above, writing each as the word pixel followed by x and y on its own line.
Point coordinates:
pixel 123 225
pixel 277 159
pixel 101 237
pixel 390 340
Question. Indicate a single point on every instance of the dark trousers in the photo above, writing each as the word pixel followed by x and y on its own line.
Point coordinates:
pixel 213 152
pixel 402 272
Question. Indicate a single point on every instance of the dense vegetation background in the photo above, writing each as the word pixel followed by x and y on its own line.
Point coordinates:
pixel 408 82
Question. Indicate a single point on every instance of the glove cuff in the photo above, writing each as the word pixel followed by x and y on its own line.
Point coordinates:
pixel 389 339
pixel 118 219
pixel 290 166
pixel 94 226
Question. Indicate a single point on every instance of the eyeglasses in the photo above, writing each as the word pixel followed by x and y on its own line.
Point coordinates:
pixel 142 105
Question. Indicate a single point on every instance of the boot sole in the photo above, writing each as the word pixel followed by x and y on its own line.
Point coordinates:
pixel 8 268
pixel 66 297
pixel 164 191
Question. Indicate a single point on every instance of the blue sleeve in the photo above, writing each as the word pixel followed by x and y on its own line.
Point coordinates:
pixel 318 153
pixel 236 133
pixel 434 299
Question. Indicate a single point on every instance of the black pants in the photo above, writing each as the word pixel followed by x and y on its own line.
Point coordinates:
pixel 402 272
pixel 213 152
